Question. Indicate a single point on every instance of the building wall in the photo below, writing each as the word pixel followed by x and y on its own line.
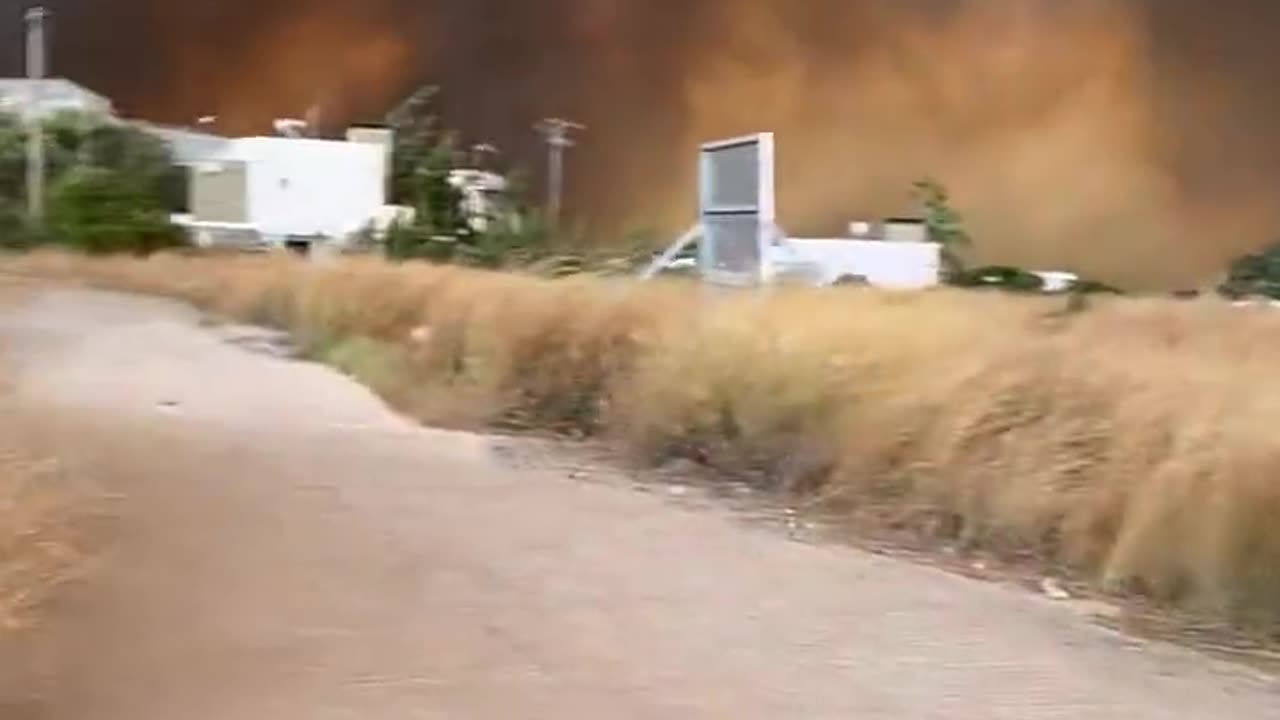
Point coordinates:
pixel 321 188
pixel 219 192
pixel 381 137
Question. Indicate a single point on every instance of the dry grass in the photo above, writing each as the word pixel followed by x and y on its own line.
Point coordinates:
pixel 42 516
pixel 1131 443
pixel 39 543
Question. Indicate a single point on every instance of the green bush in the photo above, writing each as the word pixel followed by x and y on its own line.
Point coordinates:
pixel 946 226
pixel 423 158
pixel 416 241
pixel 110 186
pixel 1003 277
pixel 1256 275
pixel 98 210
pixel 15 232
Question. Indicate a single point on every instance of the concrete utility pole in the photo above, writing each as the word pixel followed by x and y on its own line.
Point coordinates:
pixel 35 17
pixel 556 132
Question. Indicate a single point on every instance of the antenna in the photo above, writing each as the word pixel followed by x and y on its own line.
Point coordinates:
pixel 556 131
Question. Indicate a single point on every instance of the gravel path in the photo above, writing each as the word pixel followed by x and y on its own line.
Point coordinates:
pixel 289 549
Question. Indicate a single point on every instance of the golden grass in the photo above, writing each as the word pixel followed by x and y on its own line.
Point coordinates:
pixel 41 519
pixel 1131 443
pixel 39 542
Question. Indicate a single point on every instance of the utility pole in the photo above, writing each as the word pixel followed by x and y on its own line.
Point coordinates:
pixel 556 132
pixel 35 18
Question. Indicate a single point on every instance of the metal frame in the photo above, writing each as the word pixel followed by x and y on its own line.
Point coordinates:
pixel 763 210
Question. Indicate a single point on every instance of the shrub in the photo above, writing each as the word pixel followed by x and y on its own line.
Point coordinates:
pixel 999 276
pixel 97 210
pixel 106 180
pixel 1255 275
pixel 423 160
pixel 945 225
pixel 15 232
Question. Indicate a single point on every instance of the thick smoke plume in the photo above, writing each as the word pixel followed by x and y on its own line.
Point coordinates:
pixel 1130 139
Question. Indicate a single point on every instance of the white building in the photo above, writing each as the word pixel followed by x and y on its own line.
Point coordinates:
pixel 277 191
pixel 45 98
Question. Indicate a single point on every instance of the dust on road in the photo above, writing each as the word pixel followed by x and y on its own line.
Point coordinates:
pixel 291 549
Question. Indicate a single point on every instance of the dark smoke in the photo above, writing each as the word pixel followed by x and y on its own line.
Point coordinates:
pixel 1128 138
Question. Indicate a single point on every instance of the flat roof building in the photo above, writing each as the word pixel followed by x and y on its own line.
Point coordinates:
pixel 44 98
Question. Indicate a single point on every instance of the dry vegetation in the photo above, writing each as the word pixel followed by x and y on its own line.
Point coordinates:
pixel 42 516
pixel 1131 443
pixel 39 548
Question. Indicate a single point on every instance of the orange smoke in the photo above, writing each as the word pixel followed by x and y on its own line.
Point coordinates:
pixel 327 59
pixel 1073 135
pixel 1039 118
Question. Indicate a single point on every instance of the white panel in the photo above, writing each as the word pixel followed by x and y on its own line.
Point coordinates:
pixel 736 208
pixel 735 248
pixel 735 177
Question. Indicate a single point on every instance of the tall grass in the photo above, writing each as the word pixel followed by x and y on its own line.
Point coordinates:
pixel 1132 443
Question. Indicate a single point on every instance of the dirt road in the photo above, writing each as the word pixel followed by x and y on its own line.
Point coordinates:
pixel 289 549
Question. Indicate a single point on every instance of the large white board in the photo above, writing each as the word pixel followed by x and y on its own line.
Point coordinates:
pixel 737 210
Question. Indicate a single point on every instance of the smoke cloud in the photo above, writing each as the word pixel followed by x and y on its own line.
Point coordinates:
pixel 1129 139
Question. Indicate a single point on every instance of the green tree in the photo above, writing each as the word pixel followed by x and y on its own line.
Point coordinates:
pixel 14 232
pixel 13 158
pixel 102 210
pixel 945 226
pixel 1254 275
pixel 125 178
pixel 424 157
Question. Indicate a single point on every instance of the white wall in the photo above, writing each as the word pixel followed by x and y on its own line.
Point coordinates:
pixel 310 187
pixel 898 265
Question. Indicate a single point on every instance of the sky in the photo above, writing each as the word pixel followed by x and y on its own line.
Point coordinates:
pixel 1130 139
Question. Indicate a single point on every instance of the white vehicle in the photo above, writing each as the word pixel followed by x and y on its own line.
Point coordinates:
pixel 482 196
